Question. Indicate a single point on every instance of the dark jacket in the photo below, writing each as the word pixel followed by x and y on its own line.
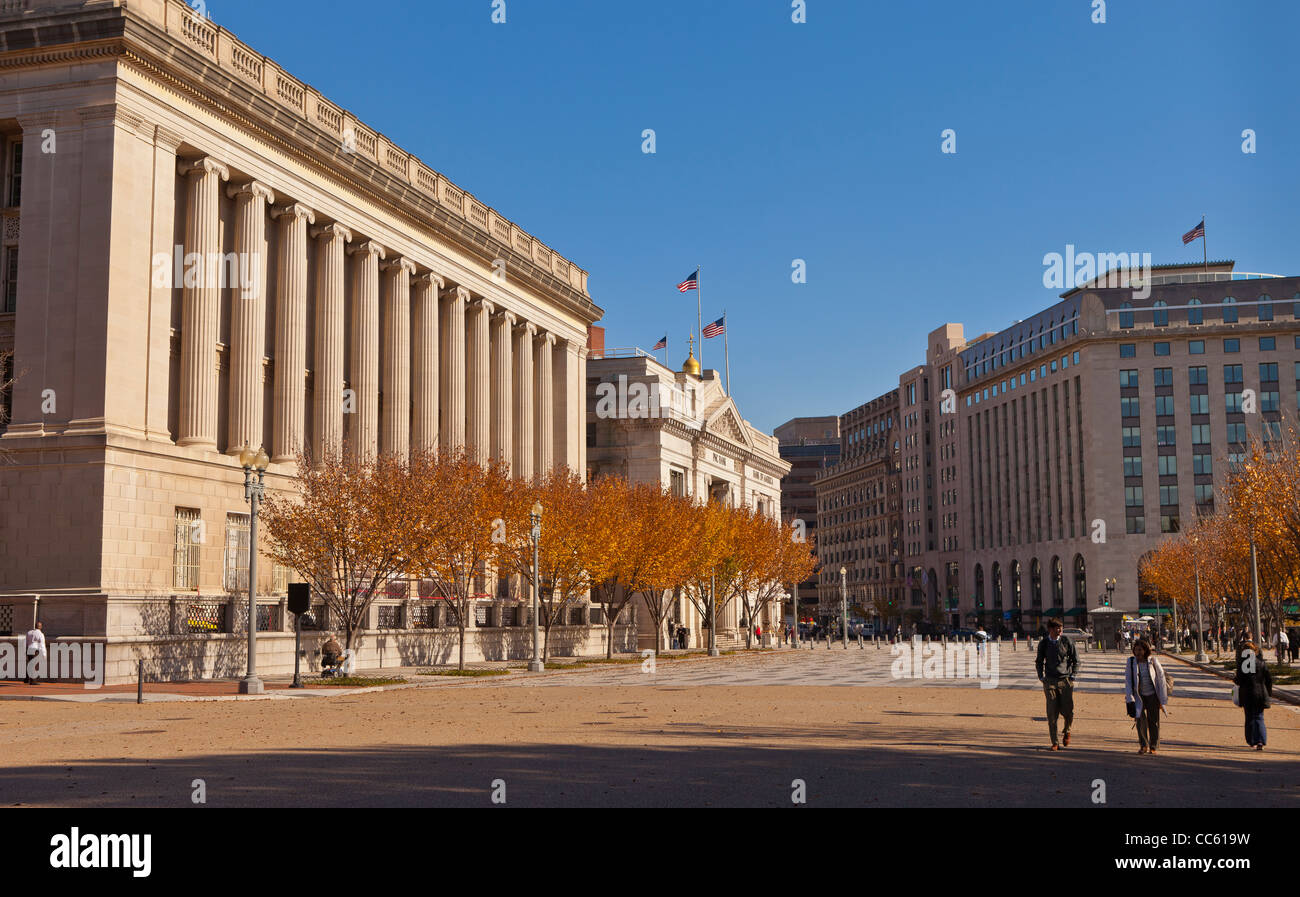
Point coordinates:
pixel 1057 660
pixel 1254 689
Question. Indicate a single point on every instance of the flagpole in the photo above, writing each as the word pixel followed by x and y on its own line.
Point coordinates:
pixel 726 350
pixel 699 311
pixel 1205 253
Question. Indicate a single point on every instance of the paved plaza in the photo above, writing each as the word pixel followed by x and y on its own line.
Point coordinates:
pixel 736 730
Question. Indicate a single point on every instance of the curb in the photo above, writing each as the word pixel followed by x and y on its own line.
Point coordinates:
pixel 1284 695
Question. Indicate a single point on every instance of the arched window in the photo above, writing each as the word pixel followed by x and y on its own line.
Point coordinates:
pixel 1080 582
pixel 1159 316
pixel 1195 314
pixel 997 586
pixel 1015 585
pixel 1229 310
pixel 1058 583
pixel 1265 308
pixel 1126 317
pixel 979 586
pixel 1035 583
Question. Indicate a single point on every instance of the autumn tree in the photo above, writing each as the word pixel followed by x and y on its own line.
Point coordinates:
pixel 338 529
pixel 710 575
pixel 619 559
pixel 456 525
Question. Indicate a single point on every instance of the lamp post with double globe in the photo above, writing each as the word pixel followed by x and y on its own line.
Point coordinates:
pixel 254 464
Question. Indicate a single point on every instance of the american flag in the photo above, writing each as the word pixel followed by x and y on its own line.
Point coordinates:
pixel 690 283
pixel 662 344
pixel 717 328
pixel 1195 233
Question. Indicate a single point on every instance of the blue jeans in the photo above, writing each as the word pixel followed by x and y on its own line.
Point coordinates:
pixel 1255 731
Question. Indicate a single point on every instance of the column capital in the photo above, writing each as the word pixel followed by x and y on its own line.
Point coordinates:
pixel 252 189
pixel 508 316
pixel 456 293
pixel 397 264
pixel 295 209
pixel 485 304
pixel 369 247
pixel 332 231
pixel 430 279
pixel 545 336
pixel 205 165
pixel 527 327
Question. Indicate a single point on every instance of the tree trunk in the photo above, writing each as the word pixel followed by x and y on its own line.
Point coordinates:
pixel 609 636
pixel 461 665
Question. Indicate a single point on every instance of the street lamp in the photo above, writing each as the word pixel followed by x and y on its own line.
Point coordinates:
pixel 535 518
pixel 794 613
pixel 844 607
pixel 1110 593
pixel 254 463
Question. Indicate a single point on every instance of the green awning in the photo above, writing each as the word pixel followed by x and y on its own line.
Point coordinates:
pixel 1076 612
pixel 1054 612
pixel 1163 611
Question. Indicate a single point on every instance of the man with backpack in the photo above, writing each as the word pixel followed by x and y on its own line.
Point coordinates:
pixel 1057 664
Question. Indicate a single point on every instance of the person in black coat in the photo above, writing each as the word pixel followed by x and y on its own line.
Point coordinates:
pixel 1254 688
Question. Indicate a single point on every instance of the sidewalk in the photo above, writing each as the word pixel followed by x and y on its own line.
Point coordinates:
pixel 278 687
pixel 1287 695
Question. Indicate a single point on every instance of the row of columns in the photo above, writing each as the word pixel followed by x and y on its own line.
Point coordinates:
pixel 451 368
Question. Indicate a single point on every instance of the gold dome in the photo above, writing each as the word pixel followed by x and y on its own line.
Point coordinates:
pixel 690 365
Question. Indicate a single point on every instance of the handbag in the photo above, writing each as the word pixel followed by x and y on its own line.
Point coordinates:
pixel 1129 705
pixel 1236 696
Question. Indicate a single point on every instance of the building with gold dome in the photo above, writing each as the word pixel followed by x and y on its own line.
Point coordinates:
pixel 651 424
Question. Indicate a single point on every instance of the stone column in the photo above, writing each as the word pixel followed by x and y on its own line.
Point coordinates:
pixel 363 432
pixel 327 355
pixel 544 407
pixel 200 303
pixel 502 388
pixel 524 450
pixel 581 404
pixel 290 392
pixel 478 396
pixel 424 361
pixel 396 355
pixel 248 319
pixel 453 368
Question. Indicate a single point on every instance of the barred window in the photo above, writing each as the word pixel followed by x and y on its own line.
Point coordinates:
pixel 236 566
pixel 14 188
pixel 188 540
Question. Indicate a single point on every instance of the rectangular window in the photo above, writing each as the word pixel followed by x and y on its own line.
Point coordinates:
pixel 1203 464
pixel 1199 404
pixel 1164 406
pixel 1196 347
pixel 1129 406
pixel 1166 436
pixel 1231 345
pixel 1169 523
pixel 1168 465
pixel 1198 376
pixel 1128 350
pixel 1232 373
pixel 1162 348
pixel 1269 401
pixel 1200 434
pixel 1135 525
pixel 9 302
pixel 1204 493
pixel 1075 358
pixel 188 540
pixel 1268 372
pixel 235 578
pixel 1168 496
pixel 1236 434
pixel 1272 430
pixel 1133 496
pixel 677 481
pixel 1133 466
pixel 1232 402
pixel 1129 378
pixel 1132 437
pixel 1267 343
pixel 14 187
pixel 1164 376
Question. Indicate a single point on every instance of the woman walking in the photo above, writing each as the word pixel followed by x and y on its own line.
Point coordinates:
pixel 1144 688
pixel 1254 687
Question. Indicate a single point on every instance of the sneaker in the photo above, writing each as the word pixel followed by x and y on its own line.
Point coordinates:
pixel 1065 742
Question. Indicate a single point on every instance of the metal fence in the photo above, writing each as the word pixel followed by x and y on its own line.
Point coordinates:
pixel 6 619
pixel 390 616
pixel 268 618
pixel 205 616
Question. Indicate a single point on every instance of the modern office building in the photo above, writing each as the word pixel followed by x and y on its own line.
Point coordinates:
pixel 1042 459
pixel 859 506
pixel 201 252
pixel 810 445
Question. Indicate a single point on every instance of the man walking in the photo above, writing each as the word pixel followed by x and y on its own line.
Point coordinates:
pixel 1057 665
pixel 35 650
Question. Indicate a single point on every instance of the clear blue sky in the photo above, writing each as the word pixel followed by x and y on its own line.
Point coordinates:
pixel 821 141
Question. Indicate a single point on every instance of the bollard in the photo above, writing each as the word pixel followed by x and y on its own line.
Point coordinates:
pixel 139 681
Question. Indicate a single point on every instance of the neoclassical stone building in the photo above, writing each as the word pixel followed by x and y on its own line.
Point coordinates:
pixel 200 253
pixel 692 440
